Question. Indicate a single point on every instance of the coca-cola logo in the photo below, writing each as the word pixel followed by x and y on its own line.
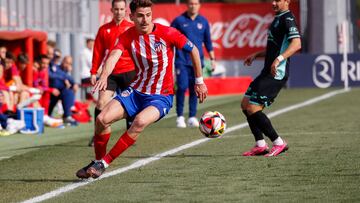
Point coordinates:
pixel 245 30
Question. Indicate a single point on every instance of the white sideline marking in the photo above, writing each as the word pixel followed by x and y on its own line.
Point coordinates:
pixel 145 161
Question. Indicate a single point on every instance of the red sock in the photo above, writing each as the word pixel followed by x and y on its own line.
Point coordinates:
pixel 121 145
pixel 100 142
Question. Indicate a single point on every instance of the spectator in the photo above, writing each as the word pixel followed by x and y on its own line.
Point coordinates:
pixel 41 81
pixel 22 63
pixel 2 54
pixel 57 56
pixel 61 81
pixel 86 61
pixel 13 80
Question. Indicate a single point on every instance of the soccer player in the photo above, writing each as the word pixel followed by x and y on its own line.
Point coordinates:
pixel 196 28
pixel 124 70
pixel 150 96
pixel 283 42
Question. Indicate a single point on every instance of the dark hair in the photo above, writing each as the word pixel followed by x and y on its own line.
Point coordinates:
pixel 40 57
pixel 51 43
pixel 114 1
pixel 139 4
pixel 23 58
pixel 10 55
pixel 89 40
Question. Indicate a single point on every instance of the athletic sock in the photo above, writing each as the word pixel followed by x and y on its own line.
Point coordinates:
pixel 254 129
pixel 261 143
pixel 264 124
pixel 121 145
pixel 100 142
pixel 278 141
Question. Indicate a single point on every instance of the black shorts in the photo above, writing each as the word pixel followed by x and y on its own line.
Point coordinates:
pixel 264 89
pixel 120 81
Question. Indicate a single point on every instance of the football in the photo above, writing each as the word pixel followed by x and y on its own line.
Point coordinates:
pixel 212 124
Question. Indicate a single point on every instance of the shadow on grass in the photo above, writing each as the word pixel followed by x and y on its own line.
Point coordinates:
pixel 41 180
pixel 185 156
pixel 51 146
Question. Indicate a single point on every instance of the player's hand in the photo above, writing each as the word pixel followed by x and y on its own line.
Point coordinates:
pixel 67 84
pixel 213 65
pixel 274 65
pixel 55 92
pixel 93 80
pixel 201 92
pixel 249 60
pixel 100 85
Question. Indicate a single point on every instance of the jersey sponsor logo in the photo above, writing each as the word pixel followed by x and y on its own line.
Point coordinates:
pixel 323 71
pixel 200 26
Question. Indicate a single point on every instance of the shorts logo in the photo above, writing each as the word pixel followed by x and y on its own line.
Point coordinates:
pixel 126 93
pixel 323 71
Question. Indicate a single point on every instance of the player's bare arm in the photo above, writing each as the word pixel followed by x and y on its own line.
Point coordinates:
pixel 200 87
pixel 295 45
pixel 110 63
pixel 248 60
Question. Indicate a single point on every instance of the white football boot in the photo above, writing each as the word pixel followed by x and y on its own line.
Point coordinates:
pixel 180 122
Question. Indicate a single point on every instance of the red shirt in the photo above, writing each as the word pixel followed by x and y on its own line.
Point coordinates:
pixel 41 80
pixel 10 73
pixel 153 56
pixel 105 40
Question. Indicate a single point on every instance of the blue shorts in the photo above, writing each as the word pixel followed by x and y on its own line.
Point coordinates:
pixel 134 102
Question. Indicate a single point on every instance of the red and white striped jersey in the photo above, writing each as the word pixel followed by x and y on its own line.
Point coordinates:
pixel 153 57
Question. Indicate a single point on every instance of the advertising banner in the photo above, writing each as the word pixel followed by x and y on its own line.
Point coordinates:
pixel 323 71
pixel 237 30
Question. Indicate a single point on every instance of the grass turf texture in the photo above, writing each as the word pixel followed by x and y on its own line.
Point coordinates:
pixel 321 165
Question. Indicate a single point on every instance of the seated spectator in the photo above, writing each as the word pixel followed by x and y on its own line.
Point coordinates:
pixel 18 91
pixel 41 81
pixel 22 63
pixel 64 83
pixel 3 51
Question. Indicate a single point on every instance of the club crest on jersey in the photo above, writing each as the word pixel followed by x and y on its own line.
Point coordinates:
pixel 199 26
pixel 158 46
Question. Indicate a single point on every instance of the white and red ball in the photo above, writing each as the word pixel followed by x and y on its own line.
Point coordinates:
pixel 212 124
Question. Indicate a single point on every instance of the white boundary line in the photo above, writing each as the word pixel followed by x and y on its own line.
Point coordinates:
pixel 145 161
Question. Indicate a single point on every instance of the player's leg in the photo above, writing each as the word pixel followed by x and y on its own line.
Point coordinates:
pixel 192 121
pixel 141 121
pixel 154 107
pixel 181 84
pixel 267 90
pixel 260 147
pixel 103 99
pixel 123 81
pixel 111 113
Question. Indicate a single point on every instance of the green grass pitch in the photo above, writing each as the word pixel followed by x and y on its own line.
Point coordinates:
pixel 322 164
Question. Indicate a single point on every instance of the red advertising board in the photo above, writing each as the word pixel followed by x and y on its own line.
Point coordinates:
pixel 237 30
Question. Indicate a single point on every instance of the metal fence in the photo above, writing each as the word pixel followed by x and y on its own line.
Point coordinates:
pixel 47 15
